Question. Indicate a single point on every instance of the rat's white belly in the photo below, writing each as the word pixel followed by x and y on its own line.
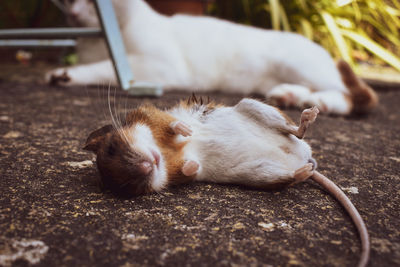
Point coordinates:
pixel 231 147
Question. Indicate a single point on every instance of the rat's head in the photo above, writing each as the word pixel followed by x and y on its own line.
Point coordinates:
pixel 128 159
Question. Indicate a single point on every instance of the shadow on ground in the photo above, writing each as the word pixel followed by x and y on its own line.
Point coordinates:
pixel 53 212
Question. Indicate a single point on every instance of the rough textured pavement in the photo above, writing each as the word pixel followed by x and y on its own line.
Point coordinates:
pixel 53 212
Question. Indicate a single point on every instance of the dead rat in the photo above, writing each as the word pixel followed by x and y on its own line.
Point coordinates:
pixel 251 143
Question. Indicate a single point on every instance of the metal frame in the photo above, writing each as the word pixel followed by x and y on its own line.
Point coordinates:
pixel 110 31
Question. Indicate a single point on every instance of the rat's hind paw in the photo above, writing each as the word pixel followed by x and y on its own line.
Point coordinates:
pixel 309 115
pixel 303 173
pixel 181 128
pixel 190 168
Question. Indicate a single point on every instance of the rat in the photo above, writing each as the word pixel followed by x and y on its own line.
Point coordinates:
pixel 252 144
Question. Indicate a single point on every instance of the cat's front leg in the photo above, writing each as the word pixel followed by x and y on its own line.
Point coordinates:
pixel 58 76
pixel 96 73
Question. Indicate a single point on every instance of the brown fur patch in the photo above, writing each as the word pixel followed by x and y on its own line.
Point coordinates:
pixel 159 122
pixel 287 118
pixel 349 101
pixel 194 101
pixel 363 97
pixel 285 149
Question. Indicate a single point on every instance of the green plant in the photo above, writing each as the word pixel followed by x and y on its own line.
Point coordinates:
pixel 27 14
pixel 366 30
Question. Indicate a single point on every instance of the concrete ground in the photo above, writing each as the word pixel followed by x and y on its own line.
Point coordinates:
pixel 54 213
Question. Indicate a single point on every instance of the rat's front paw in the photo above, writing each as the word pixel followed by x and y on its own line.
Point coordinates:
pixel 181 128
pixel 190 168
pixel 309 115
pixel 57 77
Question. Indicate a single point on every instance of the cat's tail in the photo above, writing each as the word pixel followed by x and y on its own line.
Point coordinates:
pixel 363 97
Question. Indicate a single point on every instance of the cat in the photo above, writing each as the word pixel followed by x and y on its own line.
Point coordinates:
pixel 82 14
pixel 200 53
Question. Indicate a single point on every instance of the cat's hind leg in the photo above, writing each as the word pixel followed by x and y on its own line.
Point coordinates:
pixel 332 102
pixel 292 95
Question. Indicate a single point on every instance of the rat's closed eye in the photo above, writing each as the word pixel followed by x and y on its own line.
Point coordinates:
pixel 111 150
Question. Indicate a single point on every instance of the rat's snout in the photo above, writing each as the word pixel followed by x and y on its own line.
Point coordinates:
pixel 156 157
pixel 314 163
pixel 145 167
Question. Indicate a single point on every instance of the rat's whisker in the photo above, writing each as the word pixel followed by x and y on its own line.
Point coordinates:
pixel 118 119
pixel 110 110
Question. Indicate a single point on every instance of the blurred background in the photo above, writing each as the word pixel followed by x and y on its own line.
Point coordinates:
pixel 363 32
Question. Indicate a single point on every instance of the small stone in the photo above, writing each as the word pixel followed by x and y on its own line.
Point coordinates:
pixel 238 226
pixel 395 159
pixel 351 190
pixel 81 164
pixel 12 134
pixel 31 251
pixel 294 262
pixel 282 224
pixel 4 118
pixel 266 226
pixel 81 103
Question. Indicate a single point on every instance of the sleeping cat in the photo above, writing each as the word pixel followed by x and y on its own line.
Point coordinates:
pixel 199 53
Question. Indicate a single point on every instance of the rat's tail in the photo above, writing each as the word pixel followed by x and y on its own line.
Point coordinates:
pixel 349 207
pixel 362 96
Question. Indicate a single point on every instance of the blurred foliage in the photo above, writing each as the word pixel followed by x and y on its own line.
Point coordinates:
pixel 71 59
pixel 355 30
pixel 29 14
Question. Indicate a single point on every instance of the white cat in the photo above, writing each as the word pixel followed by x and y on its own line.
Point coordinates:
pixel 200 53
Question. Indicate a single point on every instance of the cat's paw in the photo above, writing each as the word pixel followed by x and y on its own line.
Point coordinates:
pixel 284 100
pixel 58 77
pixel 288 95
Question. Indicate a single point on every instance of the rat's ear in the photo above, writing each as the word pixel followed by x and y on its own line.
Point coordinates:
pixel 95 138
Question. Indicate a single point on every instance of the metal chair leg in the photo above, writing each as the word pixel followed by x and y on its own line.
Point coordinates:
pixel 116 47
